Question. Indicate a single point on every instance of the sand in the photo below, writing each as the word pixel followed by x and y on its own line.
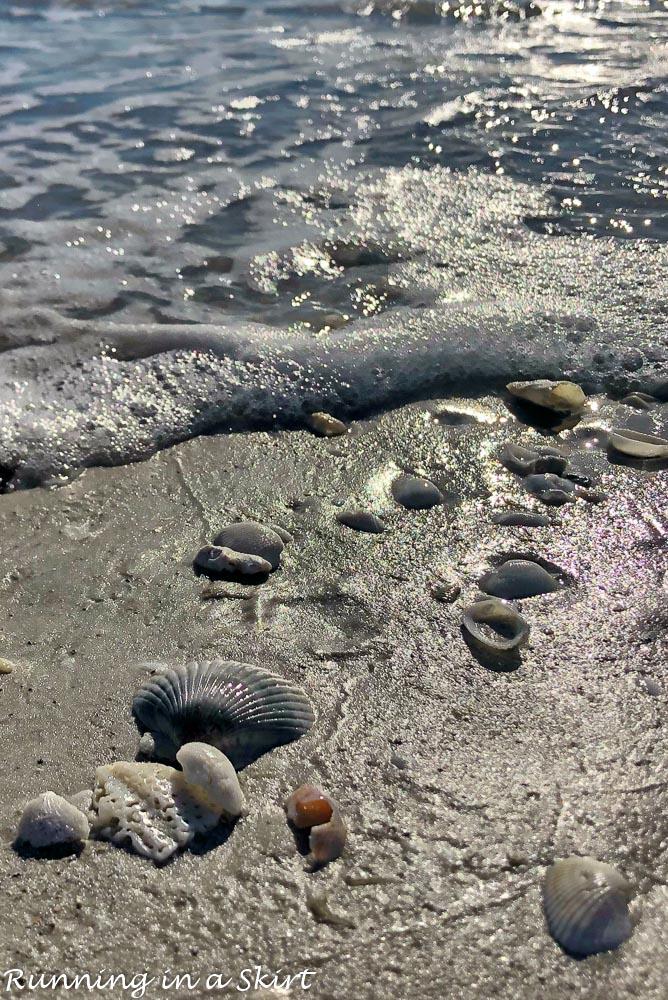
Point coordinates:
pixel 459 783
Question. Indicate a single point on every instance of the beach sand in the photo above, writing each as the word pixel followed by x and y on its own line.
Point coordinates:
pixel 459 783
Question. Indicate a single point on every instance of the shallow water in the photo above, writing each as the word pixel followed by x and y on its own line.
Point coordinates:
pixel 364 203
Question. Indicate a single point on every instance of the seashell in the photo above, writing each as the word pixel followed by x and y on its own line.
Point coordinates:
pixel 6 666
pixel 82 800
pixel 586 905
pixel 550 489
pixel 223 560
pixel 561 397
pixel 49 820
pixel 640 401
pixel 494 626
pixel 518 578
pixel 326 425
pixel 635 444
pixel 238 708
pixel 282 533
pixel 157 810
pixel 253 539
pixel 361 520
pixel 415 493
pixel 521 518
pixel 447 588
pixel 309 808
pixel 524 461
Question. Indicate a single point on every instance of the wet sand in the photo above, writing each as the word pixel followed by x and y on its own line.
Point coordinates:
pixel 459 783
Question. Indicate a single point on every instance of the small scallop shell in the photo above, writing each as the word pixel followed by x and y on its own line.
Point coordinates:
pixel 361 520
pixel 518 578
pixel 252 538
pixel 638 445
pixel 521 518
pixel 586 905
pixel 550 489
pixel 562 397
pixel 220 559
pixel 309 808
pixel 524 461
pixel 50 820
pixel 240 709
pixel 495 626
pixel 415 493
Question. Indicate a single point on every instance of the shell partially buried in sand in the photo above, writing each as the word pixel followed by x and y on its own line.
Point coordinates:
pixel 309 808
pixel 50 820
pixel 561 397
pixel 361 520
pixel 219 559
pixel 586 905
pixel 518 578
pixel 551 489
pixel 494 626
pixel 636 444
pixel 157 810
pixel 416 493
pixel 253 539
pixel 527 461
pixel 241 709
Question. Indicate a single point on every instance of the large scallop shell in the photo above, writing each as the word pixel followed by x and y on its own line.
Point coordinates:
pixel 253 539
pixel 238 708
pixel 635 444
pixel 494 626
pixel 586 905
pixel 518 578
pixel 415 493
pixel 561 397
pixel 50 820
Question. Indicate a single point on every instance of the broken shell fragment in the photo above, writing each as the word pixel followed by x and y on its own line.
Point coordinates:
pixel 326 425
pixel 309 808
pixel 524 461
pixel 415 493
pixel 518 578
pixel 550 489
pixel 561 397
pixel 640 401
pixel 495 626
pixel 157 810
pixel 361 520
pixel 253 539
pixel 635 444
pixel 521 519
pixel 223 560
pixel 50 820
pixel 240 709
pixel 586 905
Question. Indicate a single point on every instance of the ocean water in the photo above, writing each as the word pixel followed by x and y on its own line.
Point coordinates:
pixel 222 216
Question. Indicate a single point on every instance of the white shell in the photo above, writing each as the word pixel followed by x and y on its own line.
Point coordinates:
pixel 49 820
pixel 219 559
pixel 550 489
pixel 518 578
pixel 495 626
pixel 586 905
pixel 252 538
pixel 361 520
pixel 638 445
pixel 326 425
pixel 416 493
pixel 209 769
pixel 562 397
pixel 155 809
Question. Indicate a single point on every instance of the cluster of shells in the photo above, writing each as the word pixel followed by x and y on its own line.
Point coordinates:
pixel 211 718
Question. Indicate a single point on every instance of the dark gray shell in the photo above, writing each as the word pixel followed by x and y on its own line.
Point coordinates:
pixel 586 905
pixel 521 518
pixel 361 520
pixel 252 538
pixel 239 708
pixel 415 493
pixel 518 578
pixel 550 488
pixel 525 461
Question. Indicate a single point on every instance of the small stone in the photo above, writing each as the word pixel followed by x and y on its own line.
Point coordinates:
pixel 6 666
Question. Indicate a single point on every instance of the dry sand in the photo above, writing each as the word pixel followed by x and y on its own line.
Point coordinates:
pixel 459 783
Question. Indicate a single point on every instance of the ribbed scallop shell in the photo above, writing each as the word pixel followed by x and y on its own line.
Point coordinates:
pixel 252 538
pixel 240 709
pixel 415 493
pixel 586 905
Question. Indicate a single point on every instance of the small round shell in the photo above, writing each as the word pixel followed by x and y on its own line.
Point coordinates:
pixel 254 539
pixel 220 559
pixel 361 520
pixel 240 709
pixel 50 820
pixel 550 489
pixel 586 905
pixel 518 578
pixel 415 493
pixel 494 626
pixel 635 444
pixel 561 397
pixel 521 518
